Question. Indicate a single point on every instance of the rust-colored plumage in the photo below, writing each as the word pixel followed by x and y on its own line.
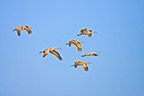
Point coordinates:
pixel 76 43
pixel 91 54
pixel 86 32
pixel 52 51
pixel 81 63
pixel 27 28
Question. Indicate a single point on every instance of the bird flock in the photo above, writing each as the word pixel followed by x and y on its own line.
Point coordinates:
pixel 75 42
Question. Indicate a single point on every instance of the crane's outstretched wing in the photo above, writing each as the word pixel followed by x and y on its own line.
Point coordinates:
pixel 56 54
pixel 84 30
pixel 28 30
pixel 45 53
pixel 18 32
pixel 85 67
pixel 90 34
pixel 78 46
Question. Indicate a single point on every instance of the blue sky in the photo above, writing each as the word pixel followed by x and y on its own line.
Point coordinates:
pixel 117 71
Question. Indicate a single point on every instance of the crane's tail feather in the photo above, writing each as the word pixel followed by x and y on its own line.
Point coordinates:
pixel 89 63
pixel 95 32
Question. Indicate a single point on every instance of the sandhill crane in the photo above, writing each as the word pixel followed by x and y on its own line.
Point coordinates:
pixel 76 43
pixel 86 32
pixel 91 54
pixel 27 28
pixel 52 51
pixel 81 63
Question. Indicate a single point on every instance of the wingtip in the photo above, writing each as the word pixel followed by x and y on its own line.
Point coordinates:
pixel 60 59
pixel 80 50
pixel 86 69
pixel 30 33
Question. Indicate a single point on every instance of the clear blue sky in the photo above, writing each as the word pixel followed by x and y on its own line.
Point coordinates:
pixel 117 71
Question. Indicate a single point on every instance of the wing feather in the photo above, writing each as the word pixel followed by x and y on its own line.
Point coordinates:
pixel 84 30
pixel 45 53
pixel 94 54
pixel 28 30
pixel 85 67
pixel 18 32
pixel 78 44
pixel 56 54
pixel 90 34
pixel 70 43
pixel 27 26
